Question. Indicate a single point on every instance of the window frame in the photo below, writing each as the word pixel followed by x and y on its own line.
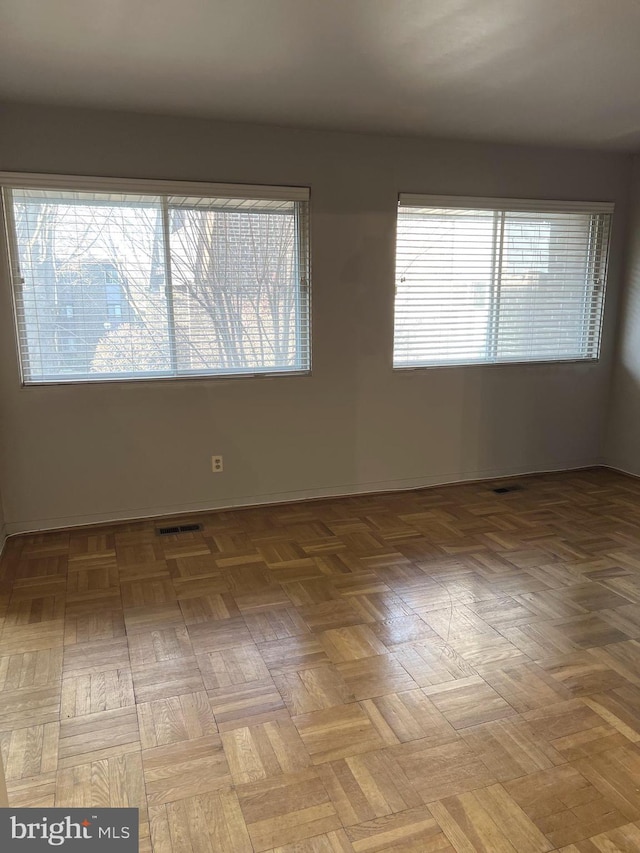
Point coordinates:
pixel 504 206
pixel 142 186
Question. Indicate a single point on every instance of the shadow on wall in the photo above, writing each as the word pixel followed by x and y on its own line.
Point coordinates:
pixel 623 435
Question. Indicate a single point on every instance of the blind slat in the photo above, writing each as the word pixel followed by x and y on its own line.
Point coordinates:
pixel 489 284
pixel 116 284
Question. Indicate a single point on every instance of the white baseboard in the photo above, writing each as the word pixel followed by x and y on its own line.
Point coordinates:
pixel 620 469
pixel 14 528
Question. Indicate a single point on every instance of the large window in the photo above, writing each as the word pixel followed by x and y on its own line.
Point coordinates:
pixel 498 280
pixel 114 280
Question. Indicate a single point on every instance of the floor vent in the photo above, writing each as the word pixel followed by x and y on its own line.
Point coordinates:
pixel 502 490
pixel 179 528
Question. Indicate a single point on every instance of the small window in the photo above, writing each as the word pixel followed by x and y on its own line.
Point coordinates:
pixel 122 280
pixel 491 281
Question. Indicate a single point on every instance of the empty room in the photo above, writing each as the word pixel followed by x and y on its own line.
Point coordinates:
pixel 320 426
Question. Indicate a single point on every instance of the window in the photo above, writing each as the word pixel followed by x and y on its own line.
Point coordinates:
pixel 122 280
pixel 487 281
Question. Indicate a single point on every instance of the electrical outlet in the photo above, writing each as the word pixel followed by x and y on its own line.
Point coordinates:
pixel 216 464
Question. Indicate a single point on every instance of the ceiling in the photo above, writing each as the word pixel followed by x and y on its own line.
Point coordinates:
pixel 543 71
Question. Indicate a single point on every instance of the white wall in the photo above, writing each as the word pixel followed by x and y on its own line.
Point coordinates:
pixel 622 449
pixel 95 452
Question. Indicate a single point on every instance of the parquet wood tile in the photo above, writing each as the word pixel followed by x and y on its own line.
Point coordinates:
pixel 409 716
pixel 247 576
pixel 275 624
pixel 590 596
pixel 293 653
pixel 30 706
pixel 469 588
pixel 163 664
pixel 546 604
pixel 307 690
pixel 432 663
pixel 88 627
pixel 526 686
pixel 153 617
pixel 177 771
pixel 338 563
pixel 235 665
pixel 137 549
pixel 310 591
pixel 179 718
pixel 537 640
pixel 353 643
pixel 166 678
pixel 412 831
pixel 34 608
pixel 364 582
pixel 512 748
pixel 92 692
pixel 36 586
pixel 564 805
pixel 624 839
pixel 18 639
pixel 487 648
pixel 263 751
pixel 457 621
pixel 442 771
pixel 286 809
pixel 207 608
pixel 626 619
pixel 147 648
pixel 93 576
pixel 584 673
pixel 248 704
pixel 504 611
pixel 488 821
pixel 573 729
pixel 96 656
pixel 32 751
pixel 621 712
pixel 375 676
pixel 624 658
pixel 468 702
pixel 404 629
pixel 625 585
pixel 364 787
pixel 33 791
pixel 102 734
pixel 330 615
pixel 585 632
pixel 205 582
pixel 83 545
pixel 328 842
pixel 612 714
pixel 264 600
pixel 614 773
pixel 340 732
pixel 29 670
pixel 187 545
pixel 379 606
pixel 222 634
pixel 440 670
pixel 424 594
pixel 115 782
pixel 209 823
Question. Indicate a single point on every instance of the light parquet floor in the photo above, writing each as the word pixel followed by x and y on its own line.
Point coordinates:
pixel 440 670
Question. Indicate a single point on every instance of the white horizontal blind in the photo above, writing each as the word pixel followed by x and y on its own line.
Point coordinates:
pixel 492 281
pixel 111 284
